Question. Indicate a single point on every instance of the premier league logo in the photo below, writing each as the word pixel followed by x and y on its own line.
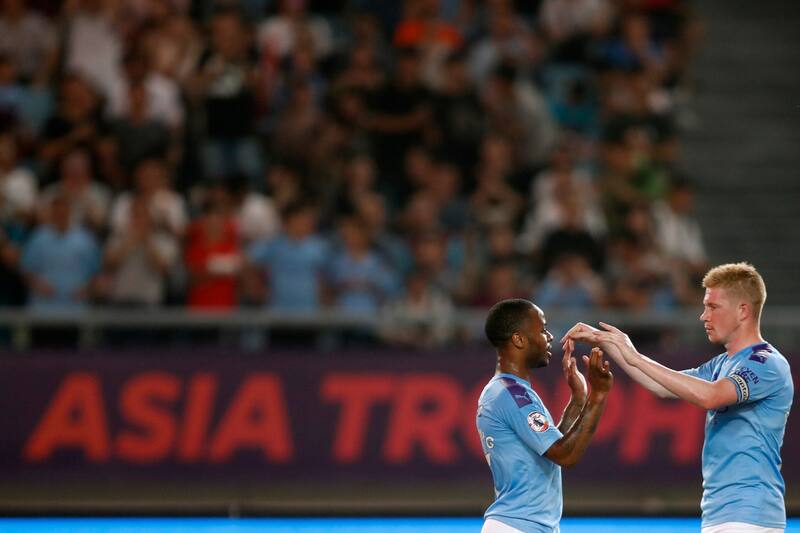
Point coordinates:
pixel 538 422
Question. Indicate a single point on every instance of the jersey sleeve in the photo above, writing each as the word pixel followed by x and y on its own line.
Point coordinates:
pixel 704 371
pixel 756 378
pixel 530 420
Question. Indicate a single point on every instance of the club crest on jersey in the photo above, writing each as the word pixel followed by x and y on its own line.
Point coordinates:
pixel 538 422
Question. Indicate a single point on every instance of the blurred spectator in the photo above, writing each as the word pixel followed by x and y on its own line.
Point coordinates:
pixel 300 70
pixel 29 40
pixel 509 40
pixel 18 186
pixel 362 72
pixel 434 258
pixel 213 256
pixel 94 41
pixel 399 115
pixel 161 95
pixel 13 290
pixel 284 185
pixel 494 200
pixel 393 250
pixel 357 277
pixel 77 121
pixel 516 108
pixel 572 237
pixel 292 264
pixel 423 28
pixel 355 180
pixel 138 260
pixel 556 191
pixel 60 260
pixel 573 102
pixel 458 115
pixel 501 281
pixel 138 136
pixel 639 279
pixel 225 82
pixel 634 47
pixel 677 232
pixel 152 184
pixel 292 26
pixel 171 43
pixel 256 214
pixel 570 284
pixel 444 185
pixel 11 92
pixel 422 317
pixel 298 124
pixel 570 25
pixel 418 165
pixel 87 200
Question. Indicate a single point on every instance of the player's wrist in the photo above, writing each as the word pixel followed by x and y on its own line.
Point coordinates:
pixel 597 397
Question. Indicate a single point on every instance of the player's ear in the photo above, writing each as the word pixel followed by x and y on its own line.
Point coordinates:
pixel 517 340
pixel 745 310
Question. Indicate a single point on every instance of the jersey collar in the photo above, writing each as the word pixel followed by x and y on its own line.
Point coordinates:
pixel 759 346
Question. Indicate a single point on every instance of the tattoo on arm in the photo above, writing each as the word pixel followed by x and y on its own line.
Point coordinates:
pixel 570 448
pixel 571 414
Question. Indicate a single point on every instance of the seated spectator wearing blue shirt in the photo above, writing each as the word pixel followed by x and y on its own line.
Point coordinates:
pixel 570 284
pixel 358 278
pixel 293 263
pixel 60 261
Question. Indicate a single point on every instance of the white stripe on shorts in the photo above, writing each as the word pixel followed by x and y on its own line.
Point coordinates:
pixel 739 527
pixel 491 525
pixel 495 526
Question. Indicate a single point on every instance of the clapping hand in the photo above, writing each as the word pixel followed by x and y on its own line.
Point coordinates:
pixel 575 380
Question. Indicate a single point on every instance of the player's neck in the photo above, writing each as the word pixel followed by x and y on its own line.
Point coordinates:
pixel 509 366
pixel 747 337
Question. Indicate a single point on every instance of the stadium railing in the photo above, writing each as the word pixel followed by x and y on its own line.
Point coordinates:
pixel 780 325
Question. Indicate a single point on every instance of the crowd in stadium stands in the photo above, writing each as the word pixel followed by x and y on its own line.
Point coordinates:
pixel 407 156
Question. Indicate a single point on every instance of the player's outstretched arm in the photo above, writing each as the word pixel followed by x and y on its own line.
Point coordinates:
pixel 585 333
pixel 705 394
pixel 569 449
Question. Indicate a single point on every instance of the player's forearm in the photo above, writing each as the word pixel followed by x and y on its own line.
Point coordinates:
pixel 571 447
pixel 689 388
pixel 571 414
pixel 637 375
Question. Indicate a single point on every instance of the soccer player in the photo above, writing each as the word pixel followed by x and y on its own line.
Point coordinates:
pixel 524 447
pixel 747 391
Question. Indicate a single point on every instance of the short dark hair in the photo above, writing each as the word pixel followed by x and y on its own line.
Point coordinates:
pixel 505 318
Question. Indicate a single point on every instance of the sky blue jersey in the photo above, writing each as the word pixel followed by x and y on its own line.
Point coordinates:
pixel 742 479
pixel 516 430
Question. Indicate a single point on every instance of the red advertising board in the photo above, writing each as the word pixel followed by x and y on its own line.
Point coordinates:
pixel 292 416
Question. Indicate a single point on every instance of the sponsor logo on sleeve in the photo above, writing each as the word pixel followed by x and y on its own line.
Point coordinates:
pixel 538 422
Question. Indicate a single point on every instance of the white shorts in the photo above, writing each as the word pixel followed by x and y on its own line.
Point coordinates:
pixel 490 525
pixel 739 527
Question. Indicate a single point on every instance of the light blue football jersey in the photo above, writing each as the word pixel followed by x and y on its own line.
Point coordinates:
pixel 516 429
pixel 742 479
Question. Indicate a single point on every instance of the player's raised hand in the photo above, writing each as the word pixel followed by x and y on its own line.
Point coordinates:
pixel 579 332
pixel 619 339
pixel 575 380
pixel 600 377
